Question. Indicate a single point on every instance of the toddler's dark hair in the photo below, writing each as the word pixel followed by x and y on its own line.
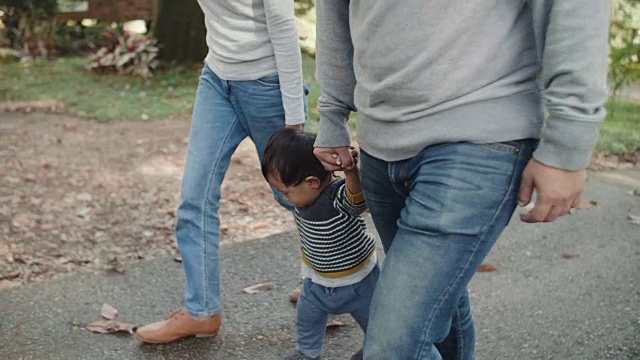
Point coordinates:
pixel 289 157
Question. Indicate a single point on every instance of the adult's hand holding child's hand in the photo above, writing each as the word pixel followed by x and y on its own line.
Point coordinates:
pixel 335 158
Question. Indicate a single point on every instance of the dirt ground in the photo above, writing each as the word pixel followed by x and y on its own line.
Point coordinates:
pixel 77 195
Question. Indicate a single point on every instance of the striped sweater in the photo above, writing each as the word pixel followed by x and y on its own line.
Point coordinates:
pixel 334 240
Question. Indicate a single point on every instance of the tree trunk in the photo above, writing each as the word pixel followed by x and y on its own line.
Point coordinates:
pixel 179 28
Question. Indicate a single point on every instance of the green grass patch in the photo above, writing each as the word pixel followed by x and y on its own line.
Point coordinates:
pixel 169 94
pixel 620 133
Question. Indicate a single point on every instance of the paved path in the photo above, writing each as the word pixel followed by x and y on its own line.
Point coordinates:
pixel 537 305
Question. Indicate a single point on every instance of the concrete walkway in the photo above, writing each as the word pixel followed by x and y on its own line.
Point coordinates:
pixel 537 305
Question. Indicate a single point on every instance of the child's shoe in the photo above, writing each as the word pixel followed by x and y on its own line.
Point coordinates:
pixel 297 355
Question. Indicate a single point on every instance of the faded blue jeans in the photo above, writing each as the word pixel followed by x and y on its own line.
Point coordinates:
pixel 438 215
pixel 317 302
pixel 224 114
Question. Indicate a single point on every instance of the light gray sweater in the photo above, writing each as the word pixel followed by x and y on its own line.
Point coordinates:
pixel 252 39
pixel 426 72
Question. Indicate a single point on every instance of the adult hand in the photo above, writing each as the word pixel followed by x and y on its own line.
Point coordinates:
pixel 557 191
pixel 334 158
pixel 298 127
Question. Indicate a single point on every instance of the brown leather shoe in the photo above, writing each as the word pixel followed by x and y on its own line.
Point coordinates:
pixel 178 325
pixel 294 295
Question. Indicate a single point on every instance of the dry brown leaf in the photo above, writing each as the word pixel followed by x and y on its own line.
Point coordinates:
pixel 29 178
pixel 636 192
pixel 258 288
pixel 10 276
pixel 108 312
pixel 570 255
pixel 635 219
pixel 487 267
pixel 110 327
pixel 116 265
pixel 587 205
pixel 83 197
pixel 6 284
pixel 19 258
pixel 333 323
pixel 177 259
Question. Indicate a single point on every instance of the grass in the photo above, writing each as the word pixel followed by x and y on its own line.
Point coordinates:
pixel 170 94
pixel 620 133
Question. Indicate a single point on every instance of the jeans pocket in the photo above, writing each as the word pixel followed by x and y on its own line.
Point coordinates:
pixel 269 81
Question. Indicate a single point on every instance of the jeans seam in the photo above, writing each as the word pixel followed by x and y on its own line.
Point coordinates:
pixel 459 332
pixel 205 211
pixel 481 238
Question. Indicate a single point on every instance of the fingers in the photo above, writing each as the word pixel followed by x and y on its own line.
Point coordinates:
pixel 334 159
pixel 547 210
pixel 526 188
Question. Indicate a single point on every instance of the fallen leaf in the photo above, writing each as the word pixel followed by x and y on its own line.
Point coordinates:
pixel 333 323
pixel 110 327
pixel 258 288
pixel 10 276
pixel 83 211
pixel 19 258
pixel 587 205
pixel 177 259
pixel 48 226
pixel 636 192
pixel 6 284
pixel 635 219
pixel 108 312
pixel 83 197
pixel 29 178
pixel 570 255
pixel 116 265
pixel 487 267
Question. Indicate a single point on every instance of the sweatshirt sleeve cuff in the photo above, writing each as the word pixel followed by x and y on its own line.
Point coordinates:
pixel 333 130
pixel 567 144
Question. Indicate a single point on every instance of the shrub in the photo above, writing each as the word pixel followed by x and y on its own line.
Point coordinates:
pixel 125 54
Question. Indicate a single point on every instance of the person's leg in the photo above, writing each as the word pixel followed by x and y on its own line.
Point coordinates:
pixel 260 102
pixel 311 320
pixel 359 309
pixel 460 198
pixel 215 134
pixel 384 200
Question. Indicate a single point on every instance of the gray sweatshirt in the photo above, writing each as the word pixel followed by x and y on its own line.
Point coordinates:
pixel 252 39
pixel 426 72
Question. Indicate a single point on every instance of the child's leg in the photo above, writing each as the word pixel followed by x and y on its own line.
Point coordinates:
pixel 364 289
pixel 311 322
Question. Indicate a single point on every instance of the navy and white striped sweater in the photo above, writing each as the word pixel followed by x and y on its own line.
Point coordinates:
pixel 333 235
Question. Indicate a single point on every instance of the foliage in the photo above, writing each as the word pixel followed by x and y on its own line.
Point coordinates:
pixel 73 38
pixel 29 25
pixel 624 58
pixel 620 133
pixel 128 53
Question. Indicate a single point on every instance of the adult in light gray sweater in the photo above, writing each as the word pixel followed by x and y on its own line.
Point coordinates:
pixel 251 86
pixel 451 99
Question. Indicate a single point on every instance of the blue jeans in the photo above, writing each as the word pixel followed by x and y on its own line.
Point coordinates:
pixel 317 302
pixel 224 114
pixel 438 215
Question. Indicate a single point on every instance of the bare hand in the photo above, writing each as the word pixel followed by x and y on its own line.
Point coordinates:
pixel 557 191
pixel 298 127
pixel 335 158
